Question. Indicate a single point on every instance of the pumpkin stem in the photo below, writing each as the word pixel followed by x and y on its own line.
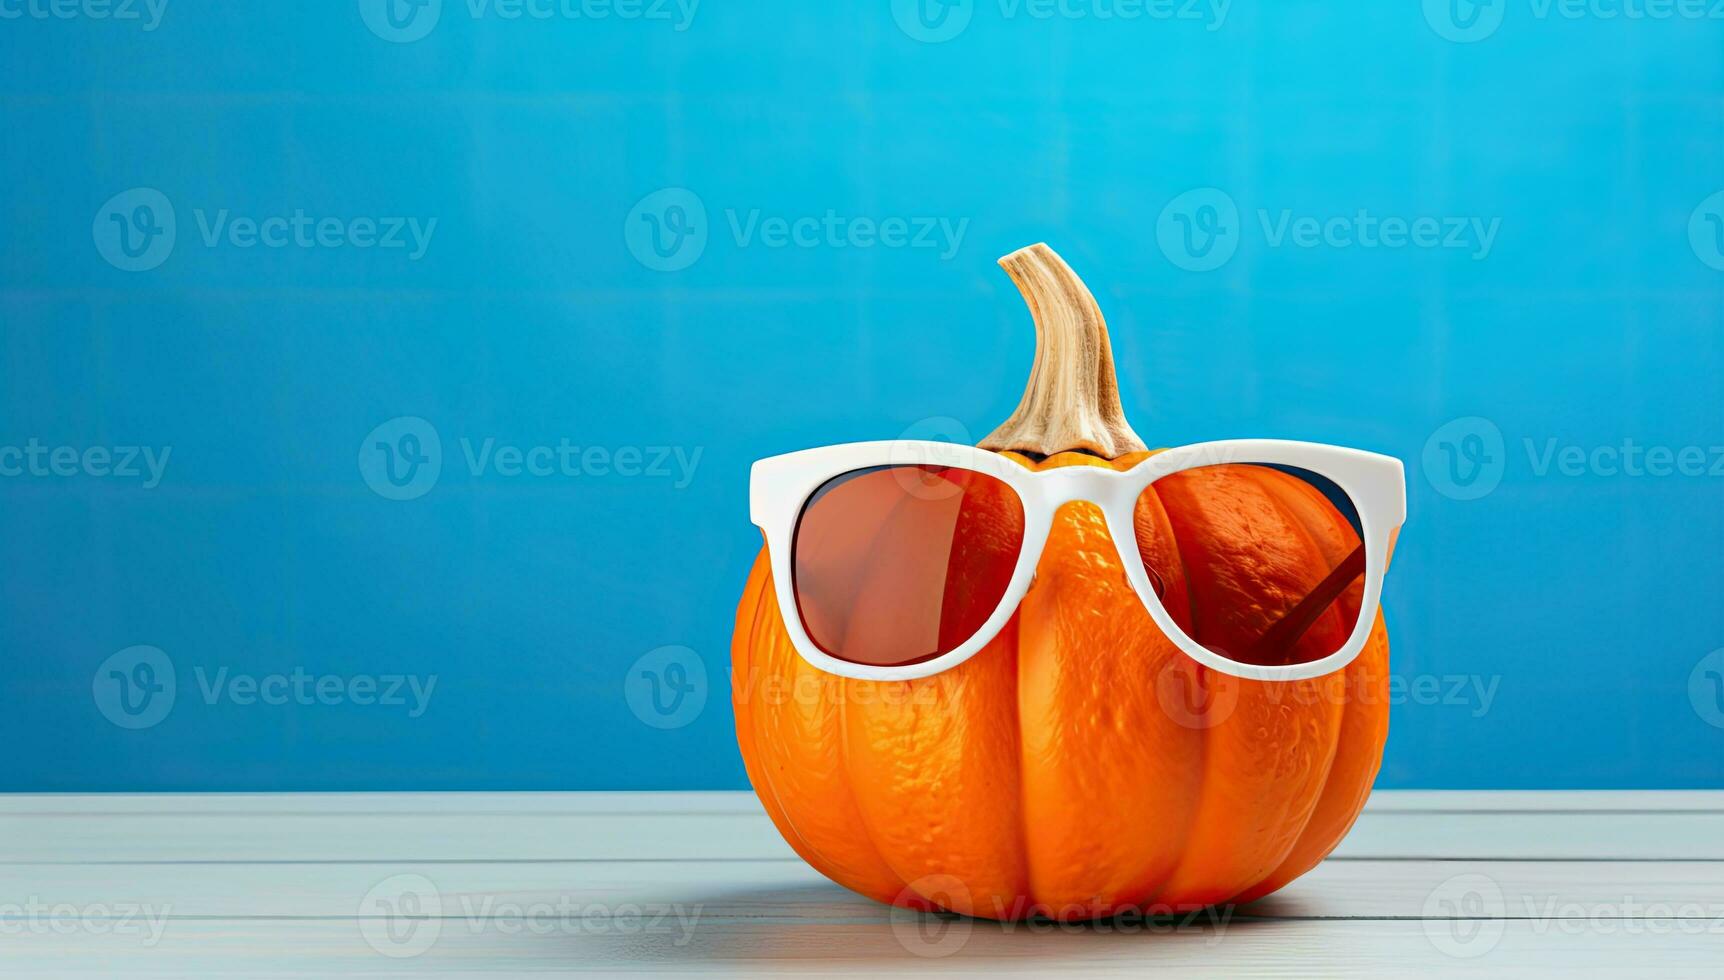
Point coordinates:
pixel 1072 399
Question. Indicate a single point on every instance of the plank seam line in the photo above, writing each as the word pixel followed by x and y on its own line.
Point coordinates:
pixel 883 918
pixel 790 860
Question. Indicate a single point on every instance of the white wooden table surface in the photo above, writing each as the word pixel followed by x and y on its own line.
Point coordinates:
pixel 1536 884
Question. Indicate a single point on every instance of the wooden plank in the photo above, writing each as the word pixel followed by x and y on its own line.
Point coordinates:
pixel 261 804
pixel 265 885
pixel 792 890
pixel 909 946
pixel 727 801
pixel 651 836
pixel 1567 835
pixel 403 837
pixel 1588 801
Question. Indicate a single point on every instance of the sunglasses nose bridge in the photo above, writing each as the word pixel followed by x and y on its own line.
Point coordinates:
pixel 1086 484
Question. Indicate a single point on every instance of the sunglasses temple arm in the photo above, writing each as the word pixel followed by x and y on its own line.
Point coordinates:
pixel 1286 631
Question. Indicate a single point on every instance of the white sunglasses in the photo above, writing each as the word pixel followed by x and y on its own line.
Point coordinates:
pixel 890 558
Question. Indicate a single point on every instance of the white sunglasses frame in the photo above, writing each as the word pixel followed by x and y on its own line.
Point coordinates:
pixel 779 487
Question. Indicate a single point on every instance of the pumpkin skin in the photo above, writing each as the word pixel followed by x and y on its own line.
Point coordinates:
pixel 1081 765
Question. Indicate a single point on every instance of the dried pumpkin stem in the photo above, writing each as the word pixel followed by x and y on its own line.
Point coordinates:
pixel 1072 400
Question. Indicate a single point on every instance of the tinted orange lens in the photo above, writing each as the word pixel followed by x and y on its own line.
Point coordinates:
pixel 1261 564
pixel 894 565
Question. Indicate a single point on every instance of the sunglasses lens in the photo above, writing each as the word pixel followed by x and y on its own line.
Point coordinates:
pixel 1261 564
pixel 895 565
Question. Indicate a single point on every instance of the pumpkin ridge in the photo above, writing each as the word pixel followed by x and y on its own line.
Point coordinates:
pixel 1345 791
pixel 1239 845
pixel 1270 480
pixel 867 871
pixel 765 786
pixel 1131 766
pixel 1031 888
pixel 1273 488
pixel 1151 893
pixel 870 839
pixel 1184 568
pixel 1195 806
pixel 762 612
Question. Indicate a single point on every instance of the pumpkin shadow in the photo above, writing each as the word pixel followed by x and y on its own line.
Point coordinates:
pixel 819 926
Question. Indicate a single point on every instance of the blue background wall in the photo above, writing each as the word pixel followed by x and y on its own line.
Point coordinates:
pixel 1551 628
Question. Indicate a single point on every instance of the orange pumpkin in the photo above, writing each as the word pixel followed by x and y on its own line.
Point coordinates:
pixel 1081 765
